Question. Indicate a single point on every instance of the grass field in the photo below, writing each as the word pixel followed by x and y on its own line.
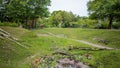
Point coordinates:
pixel 41 43
pixel 104 37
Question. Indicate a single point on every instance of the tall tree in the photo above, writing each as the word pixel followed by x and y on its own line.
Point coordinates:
pixel 23 10
pixel 102 9
pixel 61 18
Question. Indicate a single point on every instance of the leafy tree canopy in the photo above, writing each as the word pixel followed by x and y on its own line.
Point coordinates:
pixel 62 18
pixel 12 10
pixel 102 9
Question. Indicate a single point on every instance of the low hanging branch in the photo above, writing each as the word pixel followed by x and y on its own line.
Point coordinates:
pixel 5 34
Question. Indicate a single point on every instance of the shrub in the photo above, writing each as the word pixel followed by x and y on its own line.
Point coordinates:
pixel 9 24
pixel 116 25
pixel 101 26
pixel 86 23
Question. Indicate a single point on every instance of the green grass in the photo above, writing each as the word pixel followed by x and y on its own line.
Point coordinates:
pixel 91 35
pixel 14 31
pixel 41 43
pixel 11 53
pixel 99 59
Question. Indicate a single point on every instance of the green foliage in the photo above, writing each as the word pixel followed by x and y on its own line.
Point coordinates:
pixel 43 22
pixel 104 9
pixel 116 25
pixel 61 18
pixel 21 10
pixel 86 23
pixel 9 24
pixel 101 25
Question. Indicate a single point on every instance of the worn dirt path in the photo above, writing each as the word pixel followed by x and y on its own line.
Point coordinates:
pixel 81 41
pixel 60 36
pixel 80 64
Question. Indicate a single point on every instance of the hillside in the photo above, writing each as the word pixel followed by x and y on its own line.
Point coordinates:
pixel 28 45
pixel 103 37
pixel 11 51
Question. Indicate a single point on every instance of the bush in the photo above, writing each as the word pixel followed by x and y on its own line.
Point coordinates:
pixel 101 25
pixel 9 24
pixel 86 23
pixel 116 25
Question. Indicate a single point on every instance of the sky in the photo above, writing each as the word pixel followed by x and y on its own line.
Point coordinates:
pixel 78 7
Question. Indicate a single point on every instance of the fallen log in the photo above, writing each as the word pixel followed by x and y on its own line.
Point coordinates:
pixel 61 53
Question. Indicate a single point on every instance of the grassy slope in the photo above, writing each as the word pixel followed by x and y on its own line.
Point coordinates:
pixel 13 55
pixel 38 45
pixel 100 59
pixel 91 35
pixel 10 52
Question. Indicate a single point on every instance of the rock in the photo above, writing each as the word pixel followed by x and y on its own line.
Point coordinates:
pixel 70 63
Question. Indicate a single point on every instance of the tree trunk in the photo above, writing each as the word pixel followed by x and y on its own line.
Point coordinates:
pixel 110 22
pixel 35 24
pixel 32 23
pixel 25 21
